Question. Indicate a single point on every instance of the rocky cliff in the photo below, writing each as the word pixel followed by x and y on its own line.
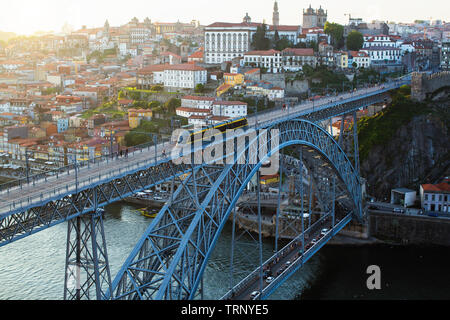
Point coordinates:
pixel 406 145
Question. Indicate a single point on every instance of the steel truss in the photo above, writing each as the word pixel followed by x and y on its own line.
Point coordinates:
pixel 87 268
pixel 169 260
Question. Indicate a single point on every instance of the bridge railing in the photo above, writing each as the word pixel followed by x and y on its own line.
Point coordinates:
pixel 327 102
pixel 339 224
pixel 286 249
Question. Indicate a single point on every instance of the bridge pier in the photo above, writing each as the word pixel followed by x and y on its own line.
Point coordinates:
pixel 87 273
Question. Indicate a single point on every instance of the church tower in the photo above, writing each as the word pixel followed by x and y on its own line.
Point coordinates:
pixel 276 15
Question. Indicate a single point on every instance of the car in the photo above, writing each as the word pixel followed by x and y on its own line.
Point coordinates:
pixel 254 294
pixel 324 232
pixel 269 279
pixel 314 240
pixel 398 210
pixel 288 263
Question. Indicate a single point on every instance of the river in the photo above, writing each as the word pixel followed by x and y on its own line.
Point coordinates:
pixel 33 268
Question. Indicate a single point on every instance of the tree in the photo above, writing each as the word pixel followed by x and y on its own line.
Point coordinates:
pixel 172 104
pixel 355 40
pixel 199 88
pixel 282 44
pixel 157 87
pixel 260 41
pixel 336 31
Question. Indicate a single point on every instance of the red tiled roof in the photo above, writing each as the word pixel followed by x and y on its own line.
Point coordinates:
pixel 199 98
pixel 230 103
pixel 299 51
pixel 199 110
pixel 270 52
pixel 185 67
pixel 440 187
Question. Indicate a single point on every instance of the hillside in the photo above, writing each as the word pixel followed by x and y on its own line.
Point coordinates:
pixel 406 144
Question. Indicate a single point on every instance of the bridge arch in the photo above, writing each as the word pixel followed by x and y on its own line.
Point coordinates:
pixel 155 272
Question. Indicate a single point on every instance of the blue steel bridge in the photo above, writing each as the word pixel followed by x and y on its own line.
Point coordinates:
pixel 169 260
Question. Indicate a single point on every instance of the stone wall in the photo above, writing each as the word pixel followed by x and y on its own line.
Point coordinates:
pixel 423 84
pixel 406 229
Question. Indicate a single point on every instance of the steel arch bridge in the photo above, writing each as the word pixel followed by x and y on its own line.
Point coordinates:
pixel 170 258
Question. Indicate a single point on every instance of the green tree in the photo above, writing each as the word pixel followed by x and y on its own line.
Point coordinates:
pixel 282 44
pixel 157 87
pixel 260 41
pixel 336 31
pixel 153 104
pixel 172 104
pixel 199 88
pixel 355 40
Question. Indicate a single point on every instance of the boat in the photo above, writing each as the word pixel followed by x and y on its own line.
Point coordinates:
pixel 149 213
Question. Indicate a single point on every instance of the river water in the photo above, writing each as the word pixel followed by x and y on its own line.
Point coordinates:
pixel 33 268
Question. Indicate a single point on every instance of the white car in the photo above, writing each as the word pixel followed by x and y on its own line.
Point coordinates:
pixel 324 232
pixel 254 294
pixel 269 279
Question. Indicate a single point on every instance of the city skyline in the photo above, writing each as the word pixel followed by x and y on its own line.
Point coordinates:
pixel 26 17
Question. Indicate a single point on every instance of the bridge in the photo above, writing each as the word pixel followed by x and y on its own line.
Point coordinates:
pixel 169 260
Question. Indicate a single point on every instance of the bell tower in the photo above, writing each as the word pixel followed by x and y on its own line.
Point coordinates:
pixel 276 15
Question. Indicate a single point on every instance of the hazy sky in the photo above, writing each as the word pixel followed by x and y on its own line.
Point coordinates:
pixel 29 16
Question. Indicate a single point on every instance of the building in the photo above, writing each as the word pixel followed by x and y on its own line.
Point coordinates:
pixel 206 110
pixel 341 59
pixel 185 76
pixel 445 56
pixel 360 58
pixel 295 58
pixel 225 41
pixel 264 89
pixel 403 196
pixel 435 198
pixel 229 109
pixel 233 79
pixel 386 54
pixel 268 59
pixel 314 18
pixel 135 116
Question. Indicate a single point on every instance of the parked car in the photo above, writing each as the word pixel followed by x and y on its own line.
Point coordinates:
pixel 398 210
pixel 324 232
pixel 269 279
pixel 254 294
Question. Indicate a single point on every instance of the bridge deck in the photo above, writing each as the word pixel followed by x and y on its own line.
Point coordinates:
pixel 288 260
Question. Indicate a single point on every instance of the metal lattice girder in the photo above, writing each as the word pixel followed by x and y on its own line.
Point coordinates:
pixel 19 224
pixel 87 267
pixel 173 270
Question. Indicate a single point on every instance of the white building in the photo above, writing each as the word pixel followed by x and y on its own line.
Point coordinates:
pixel 381 54
pixel 185 75
pixel 225 41
pixel 380 41
pixel 435 198
pixel 360 58
pixel 205 110
pixel 269 59
pixel 230 109
pixel 403 196
pixel 295 58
